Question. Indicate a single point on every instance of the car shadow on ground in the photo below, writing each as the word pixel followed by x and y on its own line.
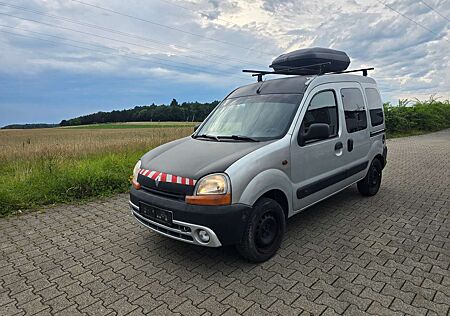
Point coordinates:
pixel 304 232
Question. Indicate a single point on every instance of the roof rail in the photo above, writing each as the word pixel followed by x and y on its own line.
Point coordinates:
pixel 363 70
pixel 291 71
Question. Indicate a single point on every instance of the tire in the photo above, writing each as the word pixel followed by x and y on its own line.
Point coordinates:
pixel 264 232
pixel 370 185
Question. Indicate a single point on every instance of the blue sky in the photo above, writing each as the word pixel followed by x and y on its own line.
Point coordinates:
pixel 55 95
pixel 61 59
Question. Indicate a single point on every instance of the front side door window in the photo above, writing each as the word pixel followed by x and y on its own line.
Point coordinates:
pixel 322 109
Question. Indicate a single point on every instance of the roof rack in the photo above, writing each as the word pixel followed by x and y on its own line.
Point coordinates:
pixel 291 71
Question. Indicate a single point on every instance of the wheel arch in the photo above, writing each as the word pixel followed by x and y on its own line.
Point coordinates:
pixel 381 158
pixel 271 183
pixel 279 197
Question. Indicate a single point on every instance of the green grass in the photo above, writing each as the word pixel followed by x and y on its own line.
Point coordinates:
pixel 133 125
pixel 391 135
pixel 46 182
pixel 62 165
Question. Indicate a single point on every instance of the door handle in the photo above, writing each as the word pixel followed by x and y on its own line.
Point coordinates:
pixel 338 146
pixel 350 144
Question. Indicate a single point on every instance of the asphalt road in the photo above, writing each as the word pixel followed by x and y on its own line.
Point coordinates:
pixel 385 255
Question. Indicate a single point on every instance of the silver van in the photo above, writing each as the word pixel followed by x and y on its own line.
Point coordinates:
pixel 268 151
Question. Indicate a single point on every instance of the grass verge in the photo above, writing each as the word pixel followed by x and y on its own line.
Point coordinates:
pixel 391 135
pixel 30 184
pixel 62 165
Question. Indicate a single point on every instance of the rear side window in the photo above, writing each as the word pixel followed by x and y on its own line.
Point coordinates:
pixel 322 109
pixel 355 113
pixel 375 106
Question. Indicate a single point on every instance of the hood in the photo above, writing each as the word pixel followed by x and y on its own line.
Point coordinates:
pixel 193 158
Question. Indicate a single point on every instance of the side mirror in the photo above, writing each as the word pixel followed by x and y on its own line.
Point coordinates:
pixel 196 127
pixel 316 131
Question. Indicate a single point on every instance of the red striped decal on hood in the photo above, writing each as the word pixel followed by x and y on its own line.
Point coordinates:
pixel 165 177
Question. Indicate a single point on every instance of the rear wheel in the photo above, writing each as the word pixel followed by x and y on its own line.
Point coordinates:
pixel 370 185
pixel 264 231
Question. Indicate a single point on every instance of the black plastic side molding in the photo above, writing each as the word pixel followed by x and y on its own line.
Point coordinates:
pixel 322 184
pixel 372 134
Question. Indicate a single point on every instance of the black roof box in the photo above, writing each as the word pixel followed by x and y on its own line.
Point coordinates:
pixel 311 61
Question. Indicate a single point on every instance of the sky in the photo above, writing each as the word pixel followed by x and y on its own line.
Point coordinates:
pixel 64 58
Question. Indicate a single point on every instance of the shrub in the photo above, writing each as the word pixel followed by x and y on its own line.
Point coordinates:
pixel 423 116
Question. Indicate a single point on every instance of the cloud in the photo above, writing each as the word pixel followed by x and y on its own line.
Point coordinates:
pixel 208 42
pixel 407 57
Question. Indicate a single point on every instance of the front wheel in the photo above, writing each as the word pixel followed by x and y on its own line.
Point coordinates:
pixel 370 185
pixel 264 231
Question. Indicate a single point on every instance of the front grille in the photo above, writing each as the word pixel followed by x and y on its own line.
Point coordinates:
pixel 170 195
pixel 166 189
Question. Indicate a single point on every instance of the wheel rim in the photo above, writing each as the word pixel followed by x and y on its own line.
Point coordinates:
pixel 266 231
pixel 374 177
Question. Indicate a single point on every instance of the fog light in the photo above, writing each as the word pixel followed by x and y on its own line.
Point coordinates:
pixel 203 235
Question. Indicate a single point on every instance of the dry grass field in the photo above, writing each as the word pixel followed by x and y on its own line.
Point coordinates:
pixel 60 143
pixel 45 166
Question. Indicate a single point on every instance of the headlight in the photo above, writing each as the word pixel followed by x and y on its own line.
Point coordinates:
pixel 212 184
pixel 213 189
pixel 136 169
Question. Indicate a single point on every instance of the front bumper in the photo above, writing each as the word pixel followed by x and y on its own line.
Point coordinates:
pixel 224 224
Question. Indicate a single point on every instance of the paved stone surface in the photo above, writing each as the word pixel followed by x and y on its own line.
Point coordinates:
pixel 386 255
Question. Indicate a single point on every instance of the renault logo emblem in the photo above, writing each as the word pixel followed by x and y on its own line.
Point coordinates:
pixel 158 178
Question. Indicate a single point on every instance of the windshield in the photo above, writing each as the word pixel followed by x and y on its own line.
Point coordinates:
pixel 261 117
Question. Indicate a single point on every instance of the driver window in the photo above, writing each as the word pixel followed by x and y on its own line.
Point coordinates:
pixel 322 109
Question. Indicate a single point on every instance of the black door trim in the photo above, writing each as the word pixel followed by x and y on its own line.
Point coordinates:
pixel 322 184
pixel 372 134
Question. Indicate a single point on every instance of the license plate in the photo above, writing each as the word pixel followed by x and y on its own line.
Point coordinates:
pixel 155 213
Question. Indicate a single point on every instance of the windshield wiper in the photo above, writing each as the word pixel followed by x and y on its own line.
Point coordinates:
pixel 239 137
pixel 208 136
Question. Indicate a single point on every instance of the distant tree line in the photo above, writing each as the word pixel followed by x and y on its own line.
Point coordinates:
pixel 29 126
pixel 407 117
pixel 175 112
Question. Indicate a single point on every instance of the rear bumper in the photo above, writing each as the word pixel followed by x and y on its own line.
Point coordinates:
pixel 224 224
